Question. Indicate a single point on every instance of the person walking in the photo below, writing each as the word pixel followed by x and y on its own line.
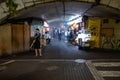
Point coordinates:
pixel 37 44
pixel 48 37
pixel 59 34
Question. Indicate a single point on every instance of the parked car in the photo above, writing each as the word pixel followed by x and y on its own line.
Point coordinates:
pixel 83 39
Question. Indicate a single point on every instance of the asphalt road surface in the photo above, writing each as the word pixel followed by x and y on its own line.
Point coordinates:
pixel 62 61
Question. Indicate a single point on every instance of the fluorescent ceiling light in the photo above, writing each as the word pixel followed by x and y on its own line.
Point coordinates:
pixel 73 17
pixel 46 24
pixel 75 21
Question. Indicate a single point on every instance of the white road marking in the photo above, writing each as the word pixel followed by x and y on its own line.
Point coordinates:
pixel 99 74
pixel 109 64
pixel 7 62
pixel 94 71
pixel 44 60
pixel 110 73
pixel 47 60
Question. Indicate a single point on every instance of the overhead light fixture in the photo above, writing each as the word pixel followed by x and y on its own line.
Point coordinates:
pixel 45 24
pixel 75 21
pixel 74 17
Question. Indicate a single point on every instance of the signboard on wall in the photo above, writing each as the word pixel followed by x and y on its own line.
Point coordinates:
pixel 107 32
pixel 34 27
pixel 37 26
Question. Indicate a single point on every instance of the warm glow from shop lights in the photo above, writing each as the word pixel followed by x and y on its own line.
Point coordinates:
pixel 75 21
pixel 73 17
pixel 47 29
pixel 74 26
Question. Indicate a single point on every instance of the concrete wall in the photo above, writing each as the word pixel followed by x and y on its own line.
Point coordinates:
pixel 109 28
pixel 28 3
pixel 109 24
pixel 117 30
pixel 112 27
pixel 110 31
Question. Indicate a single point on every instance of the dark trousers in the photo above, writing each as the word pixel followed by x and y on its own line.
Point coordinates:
pixel 48 41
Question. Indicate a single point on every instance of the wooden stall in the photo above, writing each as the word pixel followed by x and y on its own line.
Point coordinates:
pixel 14 38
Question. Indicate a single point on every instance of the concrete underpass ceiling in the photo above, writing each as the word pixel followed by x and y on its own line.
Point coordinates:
pixel 53 12
pixel 56 12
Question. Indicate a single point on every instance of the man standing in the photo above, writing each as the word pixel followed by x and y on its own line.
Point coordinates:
pixel 37 44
